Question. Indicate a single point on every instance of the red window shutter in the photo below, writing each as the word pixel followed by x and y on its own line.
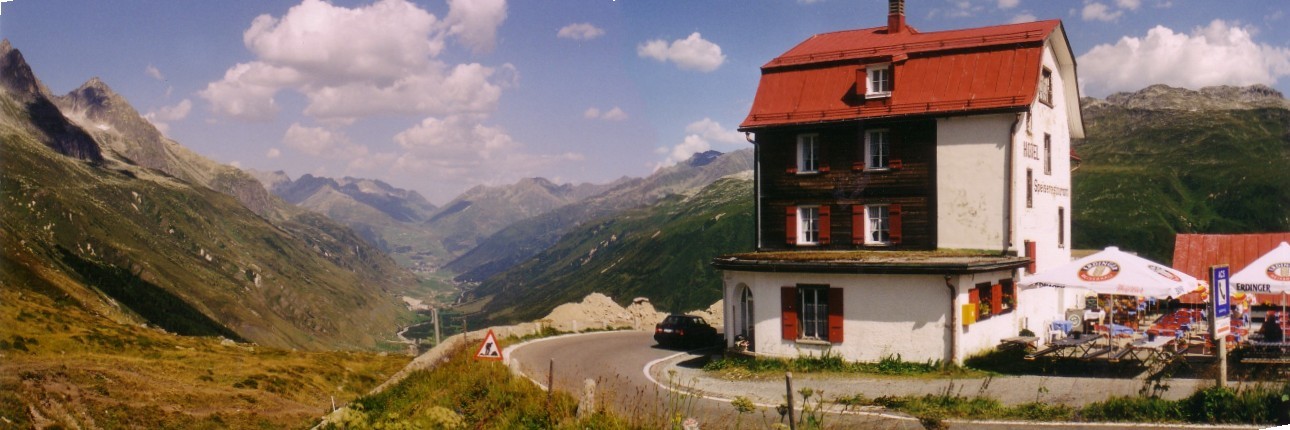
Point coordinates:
pixel 996 299
pixel 974 296
pixel 788 311
pixel 893 223
pixel 857 224
pixel 862 82
pixel 836 316
pixel 790 226
pixel 1034 260
pixel 825 221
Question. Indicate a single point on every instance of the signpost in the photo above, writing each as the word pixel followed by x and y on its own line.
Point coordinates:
pixel 489 349
pixel 1220 315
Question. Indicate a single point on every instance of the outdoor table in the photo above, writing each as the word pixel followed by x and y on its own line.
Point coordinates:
pixel 1268 353
pixel 1146 350
pixel 1117 330
pixel 1023 342
pixel 1068 347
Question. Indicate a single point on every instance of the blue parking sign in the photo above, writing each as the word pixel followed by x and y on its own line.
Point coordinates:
pixel 1221 291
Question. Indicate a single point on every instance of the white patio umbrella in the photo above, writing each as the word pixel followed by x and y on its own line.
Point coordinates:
pixel 1112 271
pixel 1269 273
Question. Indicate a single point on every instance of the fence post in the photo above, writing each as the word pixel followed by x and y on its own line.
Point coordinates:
pixel 788 382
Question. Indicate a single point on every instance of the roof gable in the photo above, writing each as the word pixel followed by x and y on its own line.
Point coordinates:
pixel 971 70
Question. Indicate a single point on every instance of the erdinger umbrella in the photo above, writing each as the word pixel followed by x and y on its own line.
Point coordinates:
pixel 1268 274
pixel 1112 271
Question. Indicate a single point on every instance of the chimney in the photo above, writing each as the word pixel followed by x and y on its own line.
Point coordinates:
pixel 895 16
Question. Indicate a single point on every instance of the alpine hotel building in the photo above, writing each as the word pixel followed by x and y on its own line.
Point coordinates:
pixel 905 183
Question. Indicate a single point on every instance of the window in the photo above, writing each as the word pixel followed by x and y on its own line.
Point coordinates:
pixel 1048 154
pixel 813 320
pixel 877 225
pixel 877 149
pixel 811 313
pixel 808 153
pixel 1030 188
pixel 808 225
pixel 1046 87
pixel 985 301
pixel 879 80
pixel 1061 227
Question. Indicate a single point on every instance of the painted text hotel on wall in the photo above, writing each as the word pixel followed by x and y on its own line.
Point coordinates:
pixel 905 183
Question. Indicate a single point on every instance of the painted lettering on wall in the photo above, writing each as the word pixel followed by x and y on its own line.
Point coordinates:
pixel 1052 189
pixel 1030 151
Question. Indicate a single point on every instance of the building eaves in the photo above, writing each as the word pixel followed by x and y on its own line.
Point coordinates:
pixel 941 262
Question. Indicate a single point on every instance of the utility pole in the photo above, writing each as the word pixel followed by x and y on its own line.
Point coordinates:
pixel 434 312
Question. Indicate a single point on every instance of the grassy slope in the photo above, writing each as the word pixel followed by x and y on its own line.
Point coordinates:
pixel 144 242
pixel 1150 174
pixel 73 365
pixel 661 252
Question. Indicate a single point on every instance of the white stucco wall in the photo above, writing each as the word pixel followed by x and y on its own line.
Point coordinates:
pixel 970 181
pixel 1039 223
pixel 885 315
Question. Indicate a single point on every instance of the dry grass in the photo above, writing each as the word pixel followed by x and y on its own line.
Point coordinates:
pixel 60 365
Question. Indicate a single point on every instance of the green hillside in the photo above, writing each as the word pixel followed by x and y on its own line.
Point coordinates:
pixel 660 252
pixel 1151 173
pixel 139 245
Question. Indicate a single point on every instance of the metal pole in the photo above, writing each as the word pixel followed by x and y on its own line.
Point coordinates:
pixel 435 313
pixel 1222 361
pixel 788 382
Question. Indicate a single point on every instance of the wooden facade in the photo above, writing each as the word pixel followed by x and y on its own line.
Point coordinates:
pixel 843 185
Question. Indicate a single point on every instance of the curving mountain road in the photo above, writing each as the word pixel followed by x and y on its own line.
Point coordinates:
pixel 621 364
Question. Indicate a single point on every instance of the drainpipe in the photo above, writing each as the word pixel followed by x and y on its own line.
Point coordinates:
pixel 1007 180
pixel 756 183
pixel 954 323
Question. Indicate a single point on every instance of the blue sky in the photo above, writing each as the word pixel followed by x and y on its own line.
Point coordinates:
pixel 442 95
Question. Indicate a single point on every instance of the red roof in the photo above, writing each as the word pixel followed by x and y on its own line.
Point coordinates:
pixel 1194 253
pixel 961 70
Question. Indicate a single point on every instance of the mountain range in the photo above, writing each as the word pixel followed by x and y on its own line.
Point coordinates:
pixel 104 213
pixel 1166 160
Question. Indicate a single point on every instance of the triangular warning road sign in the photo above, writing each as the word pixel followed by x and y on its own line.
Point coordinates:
pixel 489 350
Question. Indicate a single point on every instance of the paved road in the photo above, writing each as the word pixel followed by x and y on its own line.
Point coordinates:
pixel 632 375
pixel 618 360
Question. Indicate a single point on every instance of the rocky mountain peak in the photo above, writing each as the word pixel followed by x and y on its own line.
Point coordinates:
pixel 15 74
pixel 1224 97
pixel 705 158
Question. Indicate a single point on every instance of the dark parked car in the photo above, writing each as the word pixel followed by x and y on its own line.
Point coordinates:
pixel 684 330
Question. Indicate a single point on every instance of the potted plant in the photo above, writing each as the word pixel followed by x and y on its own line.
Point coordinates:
pixel 984 309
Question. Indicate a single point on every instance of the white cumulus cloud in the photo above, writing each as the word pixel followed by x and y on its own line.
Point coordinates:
pixel 459 150
pixel 273 153
pixel 614 114
pixel 1217 54
pixel 322 142
pixel 368 60
pixel 1023 17
pixel 1129 4
pixel 580 31
pixel 154 72
pixel 475 22
pixel 162 117
pixel 700 137
pixel 690 53
pixel 1099 12
pixel 1008 4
